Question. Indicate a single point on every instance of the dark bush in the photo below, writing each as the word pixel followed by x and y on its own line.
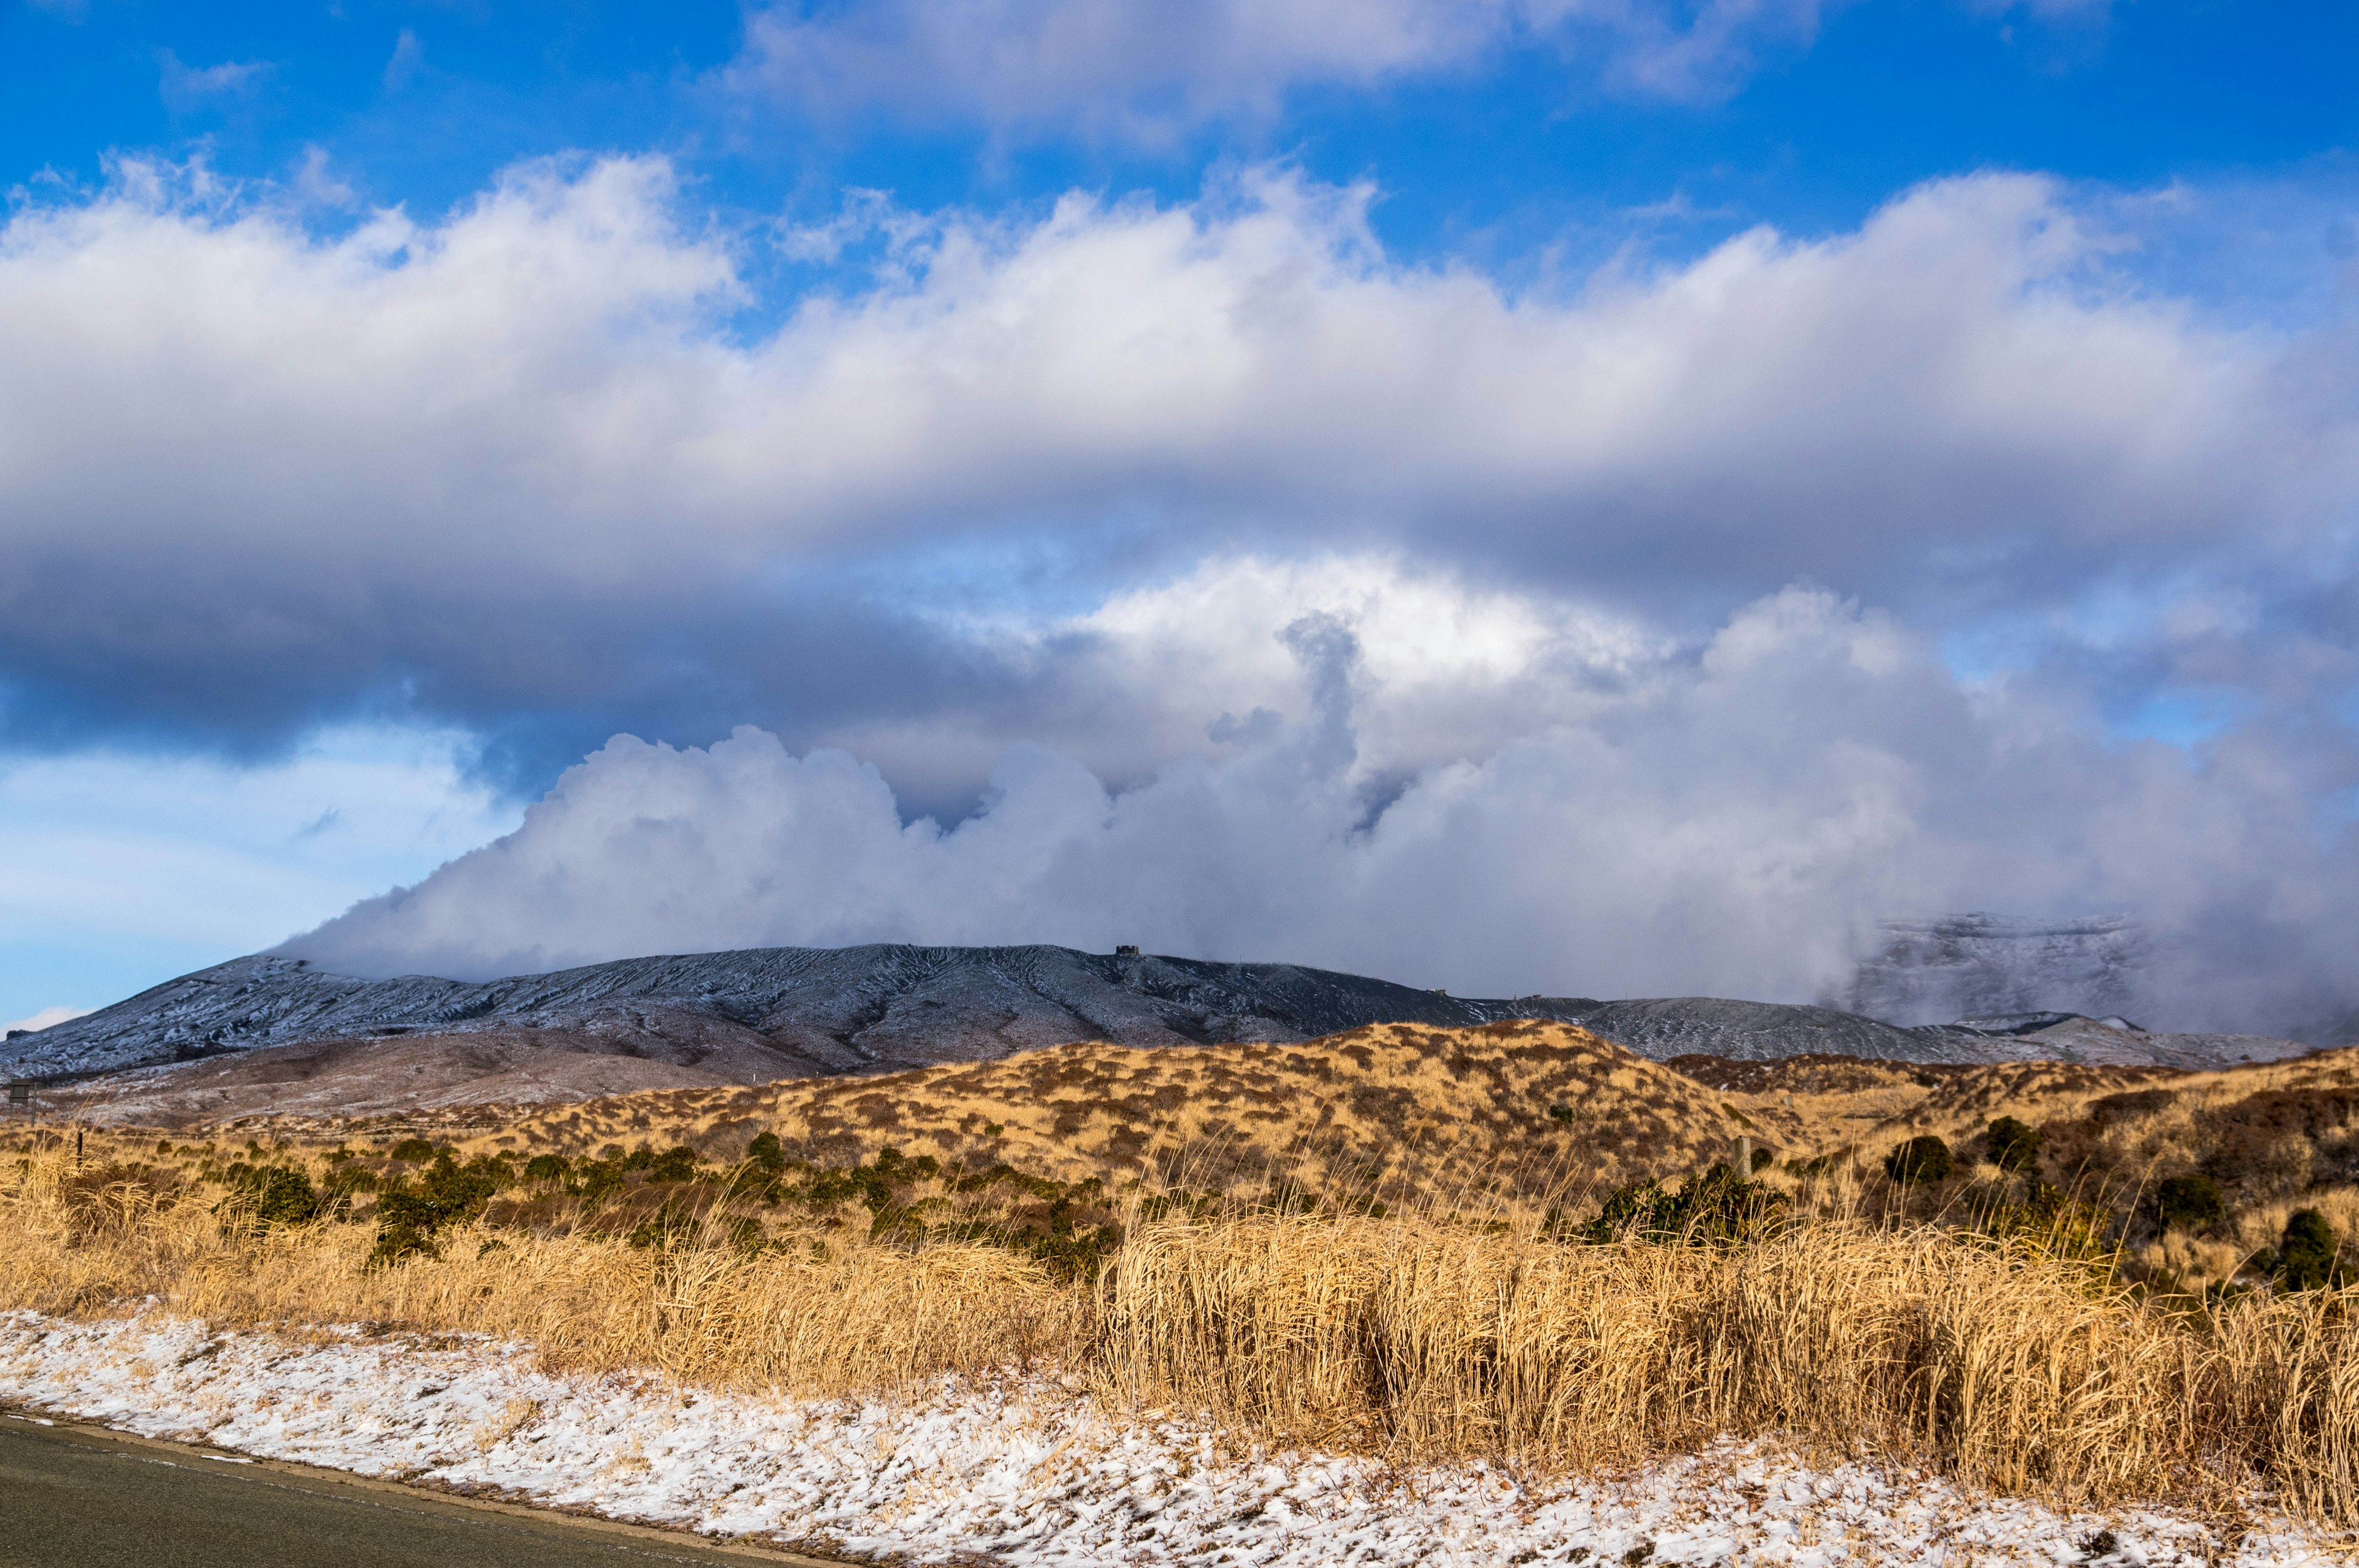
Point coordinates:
pixel 675 1165
pixel 448 1195
pixel 1920 1162
pixel 1716 1207
pixel 2306 1258
pixel 2189 1202
pixel 417 1150
pixel 2056 1225
pixel 1764 1157
pixel 2012 1145
pixel 348 1178
pixel 271 1196
pixel 596 1178
pixel 765 1154
pixel 1559 1113
pixel 545 1168
pixel 2136 1105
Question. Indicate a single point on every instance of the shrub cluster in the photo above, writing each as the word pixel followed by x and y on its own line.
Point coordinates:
pixel 263 1197
pixel 1716 1207
pixel 1921 1161
pixel 2012 1145
pixel 447 1195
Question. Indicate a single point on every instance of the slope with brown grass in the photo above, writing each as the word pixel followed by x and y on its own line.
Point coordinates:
pixel 1392 1109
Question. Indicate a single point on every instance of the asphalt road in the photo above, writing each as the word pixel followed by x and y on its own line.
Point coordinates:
pixel 77 1497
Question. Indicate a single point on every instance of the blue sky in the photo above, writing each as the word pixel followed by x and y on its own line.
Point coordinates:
pixel 408 398
pixel 1806 126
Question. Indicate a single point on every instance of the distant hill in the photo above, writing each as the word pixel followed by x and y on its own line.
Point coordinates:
pixel 259 1032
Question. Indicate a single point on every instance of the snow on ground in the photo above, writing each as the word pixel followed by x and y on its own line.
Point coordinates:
pixel 1023 1472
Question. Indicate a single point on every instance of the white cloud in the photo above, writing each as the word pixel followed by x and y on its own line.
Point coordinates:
pixel 1151 70
pixel 408 60
pixel 248 465
pixel 1730 820
pixel 45 1017
pixel 186 87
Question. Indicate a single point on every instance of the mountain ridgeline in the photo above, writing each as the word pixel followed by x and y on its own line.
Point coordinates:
pixel 763 1014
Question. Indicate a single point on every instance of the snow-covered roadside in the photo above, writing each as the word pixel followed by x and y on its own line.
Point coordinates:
pixel 1023 1474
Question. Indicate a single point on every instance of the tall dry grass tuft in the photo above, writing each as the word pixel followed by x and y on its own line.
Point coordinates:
pixel 2005 1366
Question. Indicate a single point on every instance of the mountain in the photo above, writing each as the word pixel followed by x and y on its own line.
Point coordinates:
pixel 771 1012
pixel 266 1030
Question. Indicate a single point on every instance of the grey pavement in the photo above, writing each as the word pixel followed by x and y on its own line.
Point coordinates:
pixel 75 1496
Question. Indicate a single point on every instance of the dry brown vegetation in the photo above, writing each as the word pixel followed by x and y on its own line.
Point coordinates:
pixel 1416 1335
pixel 1526 1112
pixel 1394 1110
pixel 1361 1241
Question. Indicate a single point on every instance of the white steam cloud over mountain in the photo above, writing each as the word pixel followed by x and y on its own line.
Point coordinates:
pixel 1728 818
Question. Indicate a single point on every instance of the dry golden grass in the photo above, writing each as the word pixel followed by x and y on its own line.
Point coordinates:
pixel 1412 1336
pixel 1522 1114
pixel 2007 1369
pixel 1399 1110
pixel 834 1316
pixel 1421 1113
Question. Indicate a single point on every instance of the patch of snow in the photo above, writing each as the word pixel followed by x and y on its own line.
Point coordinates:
pixel 1021 1472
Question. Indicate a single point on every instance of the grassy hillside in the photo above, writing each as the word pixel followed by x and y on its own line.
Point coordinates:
pixel 1392 1110
pixel 2199 1174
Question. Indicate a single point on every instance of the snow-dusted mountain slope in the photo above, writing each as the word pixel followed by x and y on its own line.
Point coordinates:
pixel 774 1013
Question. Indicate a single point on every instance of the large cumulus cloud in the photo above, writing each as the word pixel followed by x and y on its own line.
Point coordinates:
pixel 529 468
pixel 1724 818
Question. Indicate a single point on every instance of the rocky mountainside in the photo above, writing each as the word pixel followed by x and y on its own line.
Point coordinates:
pixel 779 1013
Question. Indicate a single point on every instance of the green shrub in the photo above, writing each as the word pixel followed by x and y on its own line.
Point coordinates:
pixel 595 1178
pixel 1559 1113
pixel 2306 1258
pixel 2190 1203
pixel 2013 1145
pixel 545 1168
pixel 348 1178
pixel 271 1196
pixel 448 1195
pixel 1762 1157
pixel 765 1154
pixel 417 1150
pixel 1920 1162
pixel 2047 1220
pixel 1716 1207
